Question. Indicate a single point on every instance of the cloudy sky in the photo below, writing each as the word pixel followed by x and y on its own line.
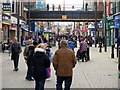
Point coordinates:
pixel 68 3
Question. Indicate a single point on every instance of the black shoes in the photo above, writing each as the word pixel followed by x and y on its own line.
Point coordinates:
pixel 15 69
pixel 29 79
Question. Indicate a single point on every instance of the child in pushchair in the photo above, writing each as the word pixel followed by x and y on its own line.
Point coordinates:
pixel 79 57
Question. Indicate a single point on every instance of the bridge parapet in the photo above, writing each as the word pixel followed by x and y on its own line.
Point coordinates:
pixel 70 15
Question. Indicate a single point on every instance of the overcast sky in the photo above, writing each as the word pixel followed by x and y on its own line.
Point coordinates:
pixel 66 1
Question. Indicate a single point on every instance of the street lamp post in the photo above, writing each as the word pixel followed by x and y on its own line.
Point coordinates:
pixel 18 22
pixel 29 18
pixel 95 23
pixel 105 32
pixel 83 5
pixel 64 5
pixel 74 29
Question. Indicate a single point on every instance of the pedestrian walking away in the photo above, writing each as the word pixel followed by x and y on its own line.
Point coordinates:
pixel 40 64
pixel 83 50
pixel 63 62
pixel 15 50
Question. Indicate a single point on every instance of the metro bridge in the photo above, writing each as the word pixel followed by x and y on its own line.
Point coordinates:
pixel 67 16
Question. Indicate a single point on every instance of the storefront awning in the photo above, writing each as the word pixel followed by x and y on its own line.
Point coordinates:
pixel 25 29
pixel 6 23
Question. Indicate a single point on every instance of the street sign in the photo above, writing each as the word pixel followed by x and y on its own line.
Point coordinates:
pixel 6 7
pixel 39 4
pixel 64 17
pixel 41 26
pixel 32 26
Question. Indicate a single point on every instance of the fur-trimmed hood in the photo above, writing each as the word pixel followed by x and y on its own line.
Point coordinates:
pixel 39 50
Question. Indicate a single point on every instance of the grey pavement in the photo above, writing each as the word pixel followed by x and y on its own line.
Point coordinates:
pixel 100 72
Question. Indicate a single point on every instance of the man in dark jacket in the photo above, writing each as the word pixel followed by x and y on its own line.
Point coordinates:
pixel 15 50
pixel 63 62
pixel 28 54
pixel 40 63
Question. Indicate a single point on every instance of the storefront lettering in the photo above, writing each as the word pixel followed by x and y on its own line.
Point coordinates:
pixel 6 19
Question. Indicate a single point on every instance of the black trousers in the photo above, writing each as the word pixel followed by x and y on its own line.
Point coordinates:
pixel 29 71
pixel 16 60
pixel 83 56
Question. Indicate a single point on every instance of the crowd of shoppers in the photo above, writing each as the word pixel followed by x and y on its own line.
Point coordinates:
pixel 38 58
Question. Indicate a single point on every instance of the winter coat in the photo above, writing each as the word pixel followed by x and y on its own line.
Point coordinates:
pixel 83 46
pixel 40 63
pixel 71 45
pixel 28 54
pixel 64 61
pixel 16 48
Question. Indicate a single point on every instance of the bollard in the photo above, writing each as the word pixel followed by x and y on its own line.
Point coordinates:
pixel 117 49
pixel 112 53
pixel 58 43
pixel 100 45
pixel 88 54
pixel 0 47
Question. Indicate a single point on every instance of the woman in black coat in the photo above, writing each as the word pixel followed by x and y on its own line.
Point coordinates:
pixel 40 63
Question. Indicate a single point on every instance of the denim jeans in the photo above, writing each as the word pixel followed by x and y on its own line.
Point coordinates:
pixel 29 71
pixel 68 81
pixel 16 61
pixel 39 84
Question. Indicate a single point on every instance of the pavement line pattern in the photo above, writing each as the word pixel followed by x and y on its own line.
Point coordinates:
pixel 87 78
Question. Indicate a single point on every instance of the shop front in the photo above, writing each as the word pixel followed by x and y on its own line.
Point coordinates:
pixel 108 31
pixel 13 30
pixel 111 30
pixel 5 28
pixel 24 30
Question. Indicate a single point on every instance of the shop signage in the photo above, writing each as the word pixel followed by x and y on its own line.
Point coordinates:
pixel 25 27
pixel 32 26
pixel 117 21
pixel 64 17
pixel 6 18
pixel 41 26
pixel 110 18
pixel 6 7
pixel 104 20
pixel 117 17
pixel 13 27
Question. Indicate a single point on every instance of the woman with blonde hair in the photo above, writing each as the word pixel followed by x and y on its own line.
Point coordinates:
pixel 40 63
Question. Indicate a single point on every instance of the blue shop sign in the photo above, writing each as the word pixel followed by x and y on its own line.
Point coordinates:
pixel 39 4
pixel 32 26
pixel 117 17
pixel 117 21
